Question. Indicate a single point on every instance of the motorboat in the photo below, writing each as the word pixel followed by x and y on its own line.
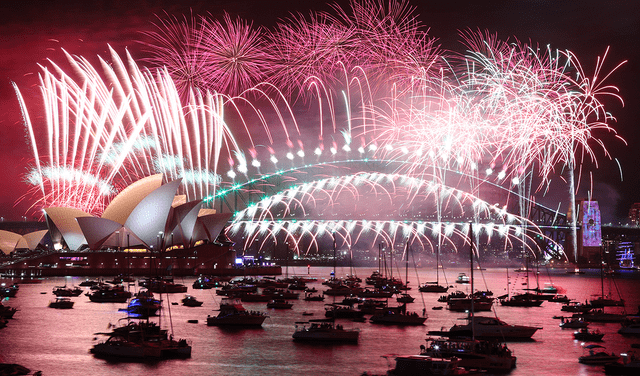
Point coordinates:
pixel 410 365
pixel 309 297
pixel 61 303
pixel 337 311
pixel 576 307
pixel 166 287
pixel 190 301
pixel 67 291
pixel 573 323
pixel 629 364
pixel 433 287
pixel 489 328
pixel 279 304
pixel 462 278
pixel 464 304
pixel 8 291
pixel 521 300
pixel 324 332
pixel 560 299
pixel 584 334
pixel 143 305
pixel 630 327
pixel 109 294
pixel 405 298
pixel 475 354
pixel 597 355
pixel 232 313
pixel 398 318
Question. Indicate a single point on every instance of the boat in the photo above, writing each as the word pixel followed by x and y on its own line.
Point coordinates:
pixel 88 283
pixel 61 303
pixel 597 355
pixel 324 332
pixel 432 287
pixel 191 301
pixel 67 291
pixel 630 327
pixel 8 291
pixel 398 318
pixel 464 304
pixel 7 312
pixel 474 354
pixel 629 364
pixel 165 287
pixel 588 336
pixel 521 300
pixel 488 328
pixel 462 278
pixel 109 294
pixel 309 297
pixel 232 313
pixel 337 311
pixel 416 365
pixel 573 323
pixel 405 298
pixel 599 315
pixel 435 286
pixel 143 305
pixel 576 307
pixel 559 299
pixel 279 304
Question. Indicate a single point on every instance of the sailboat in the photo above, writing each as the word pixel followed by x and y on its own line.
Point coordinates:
pixel 521 300
pixel 473 353
pixel 435 286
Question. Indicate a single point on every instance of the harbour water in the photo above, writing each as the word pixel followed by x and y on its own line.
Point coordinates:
pixel 57 342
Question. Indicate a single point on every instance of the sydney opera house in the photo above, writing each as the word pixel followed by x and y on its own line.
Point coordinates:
pixel 145 228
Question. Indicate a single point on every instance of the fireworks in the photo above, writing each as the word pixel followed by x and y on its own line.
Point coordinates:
pixel 216 113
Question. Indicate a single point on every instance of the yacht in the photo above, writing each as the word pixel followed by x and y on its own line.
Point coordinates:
pixel 232 313
pixel 411 365
pixel 597 355
pixel 489 328
pixel 477 354
pixel 462 278
pixel 324 332
pixel 61 303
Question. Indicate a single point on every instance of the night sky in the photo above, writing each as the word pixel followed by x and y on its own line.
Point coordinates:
pixel 33 31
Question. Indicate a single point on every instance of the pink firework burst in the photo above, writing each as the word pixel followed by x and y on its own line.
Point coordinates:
pixel 233 54
pixel 310 47
pixel 175 46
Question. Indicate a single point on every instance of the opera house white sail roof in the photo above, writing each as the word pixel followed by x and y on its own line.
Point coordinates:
pixel 147 213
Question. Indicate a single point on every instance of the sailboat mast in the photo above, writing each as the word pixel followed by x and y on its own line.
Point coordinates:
pixel 473 337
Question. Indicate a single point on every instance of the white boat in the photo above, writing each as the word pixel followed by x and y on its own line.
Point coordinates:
pixel 489 328
pixel 324 332
pixel 462 278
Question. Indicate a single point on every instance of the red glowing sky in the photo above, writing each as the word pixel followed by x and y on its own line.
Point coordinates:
pixel 33 31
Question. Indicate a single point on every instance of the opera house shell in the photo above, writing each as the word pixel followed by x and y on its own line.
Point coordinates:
pixel 145 227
